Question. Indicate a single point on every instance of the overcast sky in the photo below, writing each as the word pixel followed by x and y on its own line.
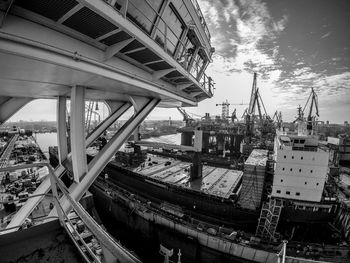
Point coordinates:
pixel 293 45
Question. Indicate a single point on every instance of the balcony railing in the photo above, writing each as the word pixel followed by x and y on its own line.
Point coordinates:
pixel 162 33
pixel 201 18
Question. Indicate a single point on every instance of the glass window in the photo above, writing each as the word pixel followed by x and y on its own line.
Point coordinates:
pixel 143 13
pixel 288 193
pixel 173 30
pixel 297 193
pixel 278 191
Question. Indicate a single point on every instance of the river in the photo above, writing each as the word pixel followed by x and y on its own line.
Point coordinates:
pixel 50 139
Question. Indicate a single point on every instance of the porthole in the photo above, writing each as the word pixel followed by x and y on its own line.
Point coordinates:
pixel 301 157
pixel 311 171
pixel 291 169
pixel 317 183
pixel 283 169
pixel 285 157
pixel 305 183
pixel 281 180
pixel 292 157
pixel 299 170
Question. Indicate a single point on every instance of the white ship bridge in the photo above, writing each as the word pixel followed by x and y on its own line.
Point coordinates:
pixel 128 53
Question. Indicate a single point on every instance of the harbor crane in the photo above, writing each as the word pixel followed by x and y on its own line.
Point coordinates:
pixel 311 119
pixel 225 113
pixel 277 118
pixel 186 117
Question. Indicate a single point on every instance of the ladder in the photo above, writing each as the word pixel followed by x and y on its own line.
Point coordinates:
pixel 269 217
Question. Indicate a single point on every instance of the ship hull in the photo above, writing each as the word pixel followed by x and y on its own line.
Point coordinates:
pixel 122 221
pixel 196 204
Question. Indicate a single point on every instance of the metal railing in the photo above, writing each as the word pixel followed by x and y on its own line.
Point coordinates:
pixel 201 18
pixel 165 37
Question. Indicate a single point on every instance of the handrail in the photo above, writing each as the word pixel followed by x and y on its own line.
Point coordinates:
pixel 164 41
pixel 116 249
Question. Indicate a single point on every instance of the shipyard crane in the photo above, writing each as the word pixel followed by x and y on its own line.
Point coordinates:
pixel 311 119
pixel 277 118
pixel 225 113
pixel 256 102
pixel 186 118
pixel 89 109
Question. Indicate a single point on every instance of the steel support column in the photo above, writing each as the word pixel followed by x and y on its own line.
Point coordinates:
pixel 104 156
pixel 11 106
pixel 62 129
pixel 77 132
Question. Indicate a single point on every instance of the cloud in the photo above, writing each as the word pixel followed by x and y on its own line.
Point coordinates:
pixel 326 35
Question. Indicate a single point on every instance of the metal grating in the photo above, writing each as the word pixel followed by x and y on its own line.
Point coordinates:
pixel 144 56
pixel 159 65
pixel 89 23
pixel 173 74
pixel 133 45
pixel 116 38
pixel 53 9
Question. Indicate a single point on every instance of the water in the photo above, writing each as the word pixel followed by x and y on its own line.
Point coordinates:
pixel 45 140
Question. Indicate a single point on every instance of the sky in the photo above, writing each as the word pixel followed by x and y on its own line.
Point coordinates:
pixel 292 45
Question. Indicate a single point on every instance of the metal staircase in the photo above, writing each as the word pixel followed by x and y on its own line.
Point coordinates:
pixel 269 217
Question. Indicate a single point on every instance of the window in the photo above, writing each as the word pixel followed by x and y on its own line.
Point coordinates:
pixel 299 170
pixel 317 183
pixel 297 194
pixel 302 141
pixel 285 157
pixel 293 157
pixel 288 193
pixel 305 183
pixel 291 169
pixel 281 180
pixel 283 169
pixel 278 191
pixel 313 158
pixel 301 157
pixel 311 171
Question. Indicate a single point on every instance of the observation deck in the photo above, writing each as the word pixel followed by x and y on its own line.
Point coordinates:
pixel 114 48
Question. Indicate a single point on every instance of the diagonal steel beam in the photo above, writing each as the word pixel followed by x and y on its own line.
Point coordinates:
pixel 11 106
pixel 104 156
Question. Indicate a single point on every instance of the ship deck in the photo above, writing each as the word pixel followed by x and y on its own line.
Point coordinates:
pixel 220 182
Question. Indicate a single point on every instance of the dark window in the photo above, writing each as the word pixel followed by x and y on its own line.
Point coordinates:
pixel 297 193
pixel 311 171
pixel 283 169
pixel 305 183
pixel 281 180
pixel 288 193
pixel 299 170
pixel 301 157
pixel 292 157
pixel 285 157
pixel 317 183
pixel 278 191
pixel 291 169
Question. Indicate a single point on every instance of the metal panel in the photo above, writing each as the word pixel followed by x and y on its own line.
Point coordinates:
pixel 144 56
pixel 133 45
pixel 159 65
pixel 116 38
pixel 89 23
pixel 53 9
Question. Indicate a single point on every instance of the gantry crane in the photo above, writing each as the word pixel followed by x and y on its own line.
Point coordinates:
pixel 186 118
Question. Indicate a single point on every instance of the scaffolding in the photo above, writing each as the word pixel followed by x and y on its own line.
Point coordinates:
pixel 269 218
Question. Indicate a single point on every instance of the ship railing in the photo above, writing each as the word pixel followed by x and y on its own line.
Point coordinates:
pixel 115 249
pixel 162 33
pixel 201 18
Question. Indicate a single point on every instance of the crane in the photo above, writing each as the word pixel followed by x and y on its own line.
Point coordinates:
pixel 313 99
pixel 186 118
pixel 225 114
pixel 277 117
